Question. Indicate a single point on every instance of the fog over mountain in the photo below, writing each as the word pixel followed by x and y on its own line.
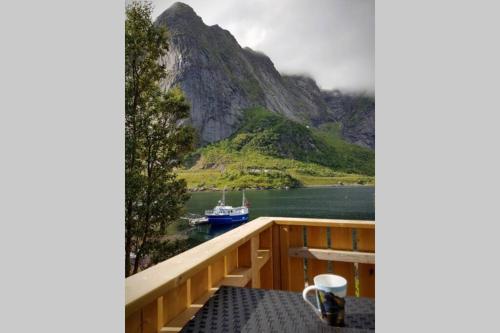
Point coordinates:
pixel 221 80
pixel 330 40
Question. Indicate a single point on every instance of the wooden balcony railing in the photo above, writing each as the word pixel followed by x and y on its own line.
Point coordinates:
pixel 268 252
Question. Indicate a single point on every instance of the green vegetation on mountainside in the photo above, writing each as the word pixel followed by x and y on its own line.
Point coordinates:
pixel 270 151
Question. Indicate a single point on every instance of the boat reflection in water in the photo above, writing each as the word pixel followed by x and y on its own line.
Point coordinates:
pixel 215 230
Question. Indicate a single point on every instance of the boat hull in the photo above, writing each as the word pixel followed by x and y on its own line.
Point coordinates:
pixel 227 219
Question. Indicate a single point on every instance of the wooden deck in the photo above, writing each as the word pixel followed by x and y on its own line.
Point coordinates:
pixel 268 252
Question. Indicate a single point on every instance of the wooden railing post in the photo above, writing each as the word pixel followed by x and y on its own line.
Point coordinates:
pixel 231 261
pixel 292 274
pixel 175 301
pixel 218 270
pixel 276 254
pixel 254 246
pixel 285 264
pixel 245 255
pixel 266 272
pixel 133 323
pixel 151 321
pixel 366 272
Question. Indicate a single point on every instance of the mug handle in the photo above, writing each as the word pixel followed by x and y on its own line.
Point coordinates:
pixel 304 295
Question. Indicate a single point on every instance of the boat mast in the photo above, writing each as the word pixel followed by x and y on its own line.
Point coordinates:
pixel 243 199
pixel 224 196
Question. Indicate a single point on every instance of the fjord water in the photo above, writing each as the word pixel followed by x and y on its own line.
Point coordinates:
pixel 339 202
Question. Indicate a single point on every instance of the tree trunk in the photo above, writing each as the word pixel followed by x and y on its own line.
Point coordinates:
pixel 128 242
pixel 128 237
pixel 136 262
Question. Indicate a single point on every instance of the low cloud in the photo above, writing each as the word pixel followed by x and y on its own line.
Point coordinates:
pixel 332 41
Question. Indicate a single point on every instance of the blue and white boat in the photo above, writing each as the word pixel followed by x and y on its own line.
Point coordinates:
pixel 222 214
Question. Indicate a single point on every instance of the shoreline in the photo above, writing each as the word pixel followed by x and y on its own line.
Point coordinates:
pixel 339 185
pixel 280 188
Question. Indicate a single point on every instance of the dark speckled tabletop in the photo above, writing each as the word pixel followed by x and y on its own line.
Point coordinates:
pixel 233 309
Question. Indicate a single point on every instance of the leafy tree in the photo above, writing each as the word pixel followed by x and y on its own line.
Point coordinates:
pixel 155 138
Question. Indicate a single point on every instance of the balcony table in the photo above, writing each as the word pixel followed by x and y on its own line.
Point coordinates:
pixel 236 309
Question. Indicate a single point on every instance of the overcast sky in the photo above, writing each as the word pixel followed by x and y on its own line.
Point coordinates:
pixel 331 40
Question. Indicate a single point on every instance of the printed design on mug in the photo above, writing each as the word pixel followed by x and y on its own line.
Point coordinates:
pixel 332 308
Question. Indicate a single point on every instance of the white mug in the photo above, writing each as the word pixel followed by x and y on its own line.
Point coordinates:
pixel 330 292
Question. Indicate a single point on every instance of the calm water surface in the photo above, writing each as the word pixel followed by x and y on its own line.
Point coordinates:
pixel 343 202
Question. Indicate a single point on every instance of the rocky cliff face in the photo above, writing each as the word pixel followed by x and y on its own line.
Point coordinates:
pixel 355 113
pixel 221 79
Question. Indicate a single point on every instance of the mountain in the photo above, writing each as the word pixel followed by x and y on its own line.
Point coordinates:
pixel 356 114
pixel 272 151
pixel 274 135
pixel 221 80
